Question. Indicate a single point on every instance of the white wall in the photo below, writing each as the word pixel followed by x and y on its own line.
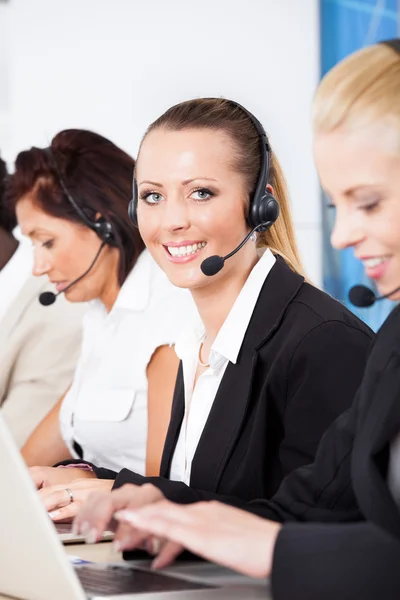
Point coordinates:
pixel 114 65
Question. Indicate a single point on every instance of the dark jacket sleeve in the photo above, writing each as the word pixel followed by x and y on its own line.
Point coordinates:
pixel 350 562
pixel 321 491
pixel 324 374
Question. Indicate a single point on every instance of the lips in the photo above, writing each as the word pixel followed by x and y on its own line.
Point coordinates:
pixel 60 285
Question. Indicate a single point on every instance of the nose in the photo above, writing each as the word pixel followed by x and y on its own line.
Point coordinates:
pixel 176 214
pixel 41 264
pixel 347 232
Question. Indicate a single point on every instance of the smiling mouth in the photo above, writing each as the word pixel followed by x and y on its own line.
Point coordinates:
pixel 371 263
pixel 178 251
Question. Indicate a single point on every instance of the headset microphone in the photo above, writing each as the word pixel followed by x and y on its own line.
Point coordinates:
pixel 363 297
pixel 48 298
pixel 213 264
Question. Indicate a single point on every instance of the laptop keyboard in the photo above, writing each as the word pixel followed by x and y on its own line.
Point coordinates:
pixel 111 580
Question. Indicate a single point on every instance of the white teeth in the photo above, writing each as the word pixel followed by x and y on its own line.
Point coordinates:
pixel 374 262
pixel 185 250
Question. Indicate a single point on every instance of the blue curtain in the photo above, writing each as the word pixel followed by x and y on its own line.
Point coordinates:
pixel 346 26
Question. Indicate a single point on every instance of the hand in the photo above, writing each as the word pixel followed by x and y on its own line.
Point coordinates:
pixel 97 514
pixel 58 502
pixel 48 476
pixel 228 536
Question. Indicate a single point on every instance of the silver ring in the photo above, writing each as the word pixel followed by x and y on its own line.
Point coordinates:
pixel 71 496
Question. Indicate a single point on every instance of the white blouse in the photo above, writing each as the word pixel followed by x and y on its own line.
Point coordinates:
pixel 199 398
pixel 105 411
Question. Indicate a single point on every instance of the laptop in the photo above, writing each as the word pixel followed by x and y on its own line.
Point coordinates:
pixel 35 566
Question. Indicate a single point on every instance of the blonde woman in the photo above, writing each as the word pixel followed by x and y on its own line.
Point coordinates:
pixel 346 543
pixel 272 360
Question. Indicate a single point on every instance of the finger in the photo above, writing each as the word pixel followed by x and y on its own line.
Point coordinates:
pixel 129 538
pixel 65 514
pixel 56 499
pixel 167 555
pixel 97 512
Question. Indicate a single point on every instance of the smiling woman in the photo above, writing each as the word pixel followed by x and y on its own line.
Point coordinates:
pixel 272 360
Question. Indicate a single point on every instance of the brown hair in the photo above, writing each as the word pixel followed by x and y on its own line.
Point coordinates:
pixel 8 219
pixel 97 174
pixel 224 115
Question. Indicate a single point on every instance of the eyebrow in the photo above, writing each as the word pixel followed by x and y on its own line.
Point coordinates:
pixel 184 182
pixel 37 231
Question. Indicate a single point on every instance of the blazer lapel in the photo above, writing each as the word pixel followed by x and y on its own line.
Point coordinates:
pixel 177 414
pixel 232 399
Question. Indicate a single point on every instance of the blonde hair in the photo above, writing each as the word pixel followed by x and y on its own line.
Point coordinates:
pixel 360 90
pixel 224 115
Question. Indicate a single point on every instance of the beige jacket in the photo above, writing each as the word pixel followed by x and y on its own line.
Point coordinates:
pixel 39 347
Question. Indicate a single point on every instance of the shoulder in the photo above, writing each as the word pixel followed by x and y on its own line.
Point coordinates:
pixel 62 315
pixel 317 308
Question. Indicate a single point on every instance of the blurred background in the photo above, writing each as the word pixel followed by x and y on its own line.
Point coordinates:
pixel 113 66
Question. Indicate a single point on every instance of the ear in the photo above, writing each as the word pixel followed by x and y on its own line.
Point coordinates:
pixel 270 189
pixel 98 216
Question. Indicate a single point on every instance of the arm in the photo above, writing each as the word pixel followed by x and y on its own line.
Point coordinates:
pixel 317 561
pixel 324 374
pixel 42 372
pixel 161 376
pixel 45 446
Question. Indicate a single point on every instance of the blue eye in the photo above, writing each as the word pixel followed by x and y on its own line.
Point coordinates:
pixel 151 197
pixel 202 194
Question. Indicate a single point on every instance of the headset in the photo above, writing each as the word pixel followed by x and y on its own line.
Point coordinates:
pixel 264 208
pixel 394 44
pixel 101 227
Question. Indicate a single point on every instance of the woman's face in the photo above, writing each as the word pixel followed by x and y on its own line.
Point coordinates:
pixel 360 172
pixel 192 204
pixel 64 250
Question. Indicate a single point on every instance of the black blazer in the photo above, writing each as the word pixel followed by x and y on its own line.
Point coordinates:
pixel 359 556
pixel 300 364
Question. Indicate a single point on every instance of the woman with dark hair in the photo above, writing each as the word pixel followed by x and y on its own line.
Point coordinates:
pixel 34 369
pixel 72 200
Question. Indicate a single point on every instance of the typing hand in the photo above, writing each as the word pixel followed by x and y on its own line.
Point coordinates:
pixel 228 536
pixel 97 515
pixel 48 476
pixel 64 501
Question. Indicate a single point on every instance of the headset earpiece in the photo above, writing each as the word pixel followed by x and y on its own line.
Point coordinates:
pixel 266 210
pixel 104 230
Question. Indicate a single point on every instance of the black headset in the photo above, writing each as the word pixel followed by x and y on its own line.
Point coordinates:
pixel 101 227
pixel 394 44
pixel 264 208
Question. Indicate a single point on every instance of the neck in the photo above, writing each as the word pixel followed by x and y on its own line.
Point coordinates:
pixel 111 288
pixel 214 301
pixel 8 245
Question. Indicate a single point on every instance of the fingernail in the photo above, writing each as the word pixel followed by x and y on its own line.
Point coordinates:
pixel 54 514
pixel 117 546
pixel 91 537
pixel 154 546
pixel 155 563
pixel 75 528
